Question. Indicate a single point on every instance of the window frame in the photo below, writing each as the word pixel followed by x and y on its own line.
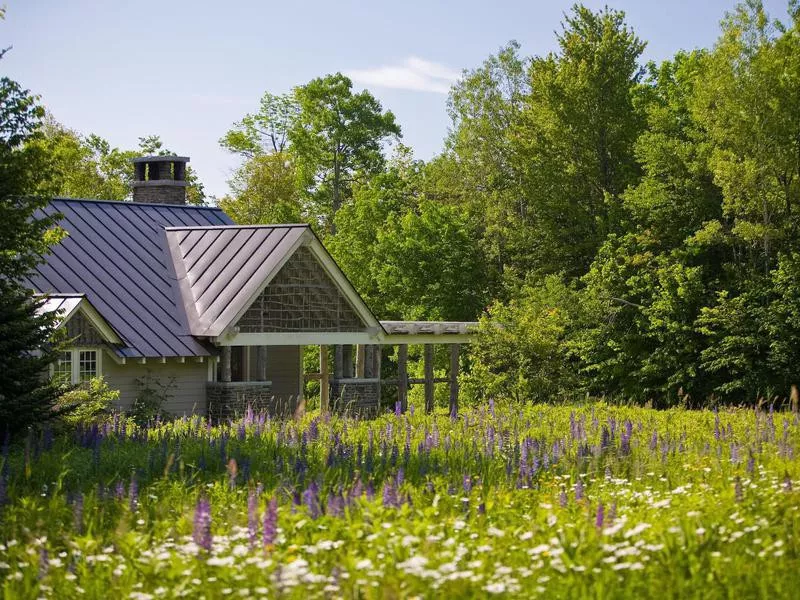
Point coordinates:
pixel 75 358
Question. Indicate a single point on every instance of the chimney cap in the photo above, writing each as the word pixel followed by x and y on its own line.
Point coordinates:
pixel 152 159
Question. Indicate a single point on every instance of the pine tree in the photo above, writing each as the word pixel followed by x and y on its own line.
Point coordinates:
pixel 27 338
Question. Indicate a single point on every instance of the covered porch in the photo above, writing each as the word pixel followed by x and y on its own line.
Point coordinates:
pixel 269 374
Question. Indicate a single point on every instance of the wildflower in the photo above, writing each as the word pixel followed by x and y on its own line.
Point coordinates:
pixel 737 490
pixel 311 500
pixel 579 489
pixel 202 524
pixel 390 499
pixel 562 498
pixel 598 521
pixel 270 523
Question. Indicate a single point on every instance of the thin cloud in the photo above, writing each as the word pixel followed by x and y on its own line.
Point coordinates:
pixel 413 73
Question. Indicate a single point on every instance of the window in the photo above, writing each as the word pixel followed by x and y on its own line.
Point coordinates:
pixel 62 369
pixel 76 366
pixel 87 365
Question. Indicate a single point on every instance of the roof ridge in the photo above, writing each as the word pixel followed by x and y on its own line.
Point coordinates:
pixel 260 226
pixel 130 203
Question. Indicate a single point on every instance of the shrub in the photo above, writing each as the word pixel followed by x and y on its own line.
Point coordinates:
pixel 88 403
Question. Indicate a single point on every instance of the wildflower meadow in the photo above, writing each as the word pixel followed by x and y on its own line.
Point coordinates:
pixel 514 501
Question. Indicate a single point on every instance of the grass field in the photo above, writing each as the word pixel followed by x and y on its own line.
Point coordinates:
pixel 589 502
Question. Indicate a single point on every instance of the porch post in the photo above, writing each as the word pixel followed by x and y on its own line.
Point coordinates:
pixel 226 364
pixel 338 368
pixel 361 360
pixel 402 376
pixel 261 363
pixel 455 352
pixel 428 378
pixel 324 379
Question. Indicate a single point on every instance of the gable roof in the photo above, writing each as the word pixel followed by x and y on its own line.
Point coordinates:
pixel 68 305
pixel 221 270
pixel 116 255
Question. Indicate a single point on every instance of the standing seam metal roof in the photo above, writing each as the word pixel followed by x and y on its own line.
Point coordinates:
pixel 116 255
pixel 220 268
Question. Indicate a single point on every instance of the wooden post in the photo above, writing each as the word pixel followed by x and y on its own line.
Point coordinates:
pixel 347 361
pixel 376 370
pixel 261 363
pixel 455 353
pixel 402 376
pixel 361 360
pixel 226 364
pixel 324 383
pixel 428 378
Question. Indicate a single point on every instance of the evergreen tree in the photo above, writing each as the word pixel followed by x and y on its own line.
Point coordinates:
pixel 26 336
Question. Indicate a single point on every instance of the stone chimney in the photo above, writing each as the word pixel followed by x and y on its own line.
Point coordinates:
pixel 160 179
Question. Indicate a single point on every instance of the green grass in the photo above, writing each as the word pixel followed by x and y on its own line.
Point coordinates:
pixel 693 505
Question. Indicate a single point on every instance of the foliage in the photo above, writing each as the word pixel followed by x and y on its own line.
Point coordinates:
pixel 263 191
pixel 27 341
pixel 152 394
pixel 89 167
pixel 521 351
pixel 336 139
pixel 89 403
pixel 509 500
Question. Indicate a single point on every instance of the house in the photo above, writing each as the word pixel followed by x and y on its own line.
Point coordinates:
pixel 220 313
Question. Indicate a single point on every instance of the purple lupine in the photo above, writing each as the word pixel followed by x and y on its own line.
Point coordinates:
pixel 737 490
pixel 119 490
pixel 654 441
pixel 579 489
pixel 398 408
pixel 335 506
pixel 562 498
pixel 467 484
pixel 311 500
pixel 598 521
pixel 716 424
pixel 44 562
pixel 751 463
pixel 252 518
pixel 270 523
pixel 390 499
pixel 612 513
pixel 202 524
pixel 735 453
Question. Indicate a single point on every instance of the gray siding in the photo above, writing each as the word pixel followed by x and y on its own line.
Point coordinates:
pixel 188 394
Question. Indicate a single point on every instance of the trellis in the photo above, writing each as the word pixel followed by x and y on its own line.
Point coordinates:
pixel 301 297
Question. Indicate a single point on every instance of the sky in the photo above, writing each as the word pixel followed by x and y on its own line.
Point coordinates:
pixel 187 70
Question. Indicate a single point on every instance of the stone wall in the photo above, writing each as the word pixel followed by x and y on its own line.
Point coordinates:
pixel 356 395
pixel 227 400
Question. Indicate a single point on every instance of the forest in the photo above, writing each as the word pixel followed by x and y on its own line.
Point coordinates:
pixel 620 229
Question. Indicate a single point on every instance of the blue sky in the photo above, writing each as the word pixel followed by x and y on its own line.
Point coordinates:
pixel 187 70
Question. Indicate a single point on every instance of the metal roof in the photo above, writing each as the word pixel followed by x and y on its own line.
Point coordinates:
pixel 220 268
pixel 66 304
pixel 116 255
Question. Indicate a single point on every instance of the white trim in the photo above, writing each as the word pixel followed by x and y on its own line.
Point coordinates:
pixel 75 367
pixel 427 338
pixel 96 319
pixel 226 327
pixel 305 338
pixel 345 287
